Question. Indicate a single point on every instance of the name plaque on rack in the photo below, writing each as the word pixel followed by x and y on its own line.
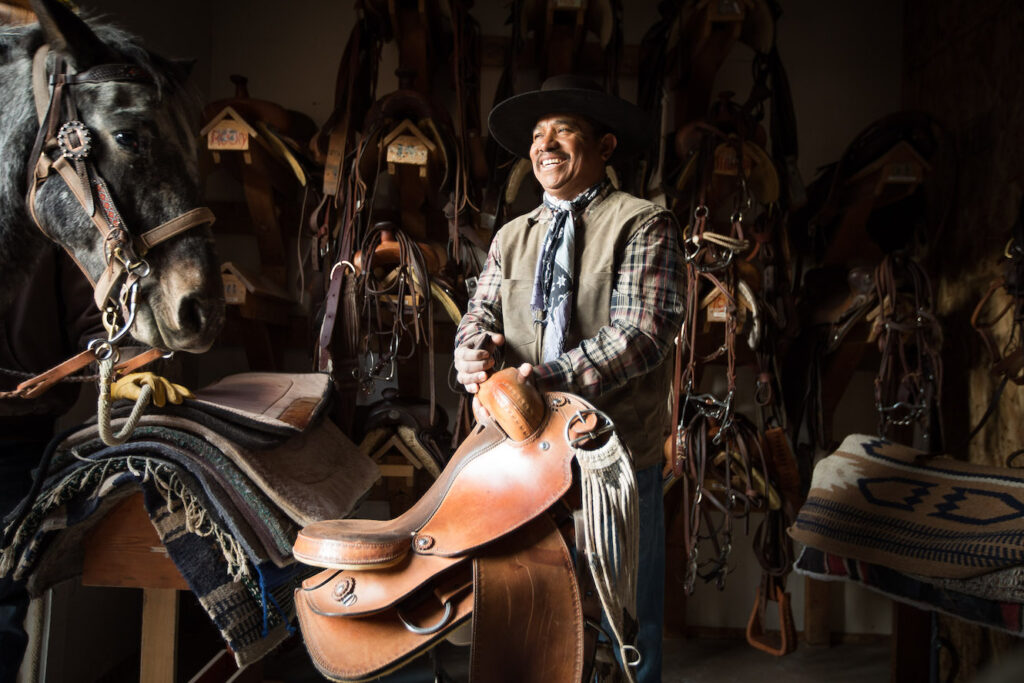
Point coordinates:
pixel 227 135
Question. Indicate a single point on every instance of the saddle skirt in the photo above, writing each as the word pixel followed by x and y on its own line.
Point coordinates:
pixel 488 541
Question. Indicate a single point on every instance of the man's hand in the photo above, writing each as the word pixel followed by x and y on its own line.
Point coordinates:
pixel 481 413
pixel 473 362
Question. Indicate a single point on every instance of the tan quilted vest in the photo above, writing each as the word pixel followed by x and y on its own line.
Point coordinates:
pixel 640 408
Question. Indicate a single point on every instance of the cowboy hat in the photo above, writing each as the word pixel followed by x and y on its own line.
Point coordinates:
pixel 511 121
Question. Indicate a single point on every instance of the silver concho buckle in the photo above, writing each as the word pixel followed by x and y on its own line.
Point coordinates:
pixel 74 138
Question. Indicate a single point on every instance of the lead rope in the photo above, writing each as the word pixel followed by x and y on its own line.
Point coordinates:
pixel 105 399
pixel 611 519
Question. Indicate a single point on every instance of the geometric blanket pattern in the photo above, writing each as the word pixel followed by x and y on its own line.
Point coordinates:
pixel 932 516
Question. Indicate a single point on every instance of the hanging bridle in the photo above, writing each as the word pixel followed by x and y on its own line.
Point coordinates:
pixel 60 127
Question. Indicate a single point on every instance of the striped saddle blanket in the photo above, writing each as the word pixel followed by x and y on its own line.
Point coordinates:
pixel 929 516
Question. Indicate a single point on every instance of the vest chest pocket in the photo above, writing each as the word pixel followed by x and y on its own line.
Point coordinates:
pixel 592 307
pixel 522 340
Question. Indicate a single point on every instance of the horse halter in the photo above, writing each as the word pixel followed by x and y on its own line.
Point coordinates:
pixel 59 126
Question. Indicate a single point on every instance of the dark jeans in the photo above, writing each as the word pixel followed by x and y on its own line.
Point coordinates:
pixel 650 588
pixel 17 459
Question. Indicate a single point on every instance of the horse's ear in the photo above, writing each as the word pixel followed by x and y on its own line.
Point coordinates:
pixel 65 32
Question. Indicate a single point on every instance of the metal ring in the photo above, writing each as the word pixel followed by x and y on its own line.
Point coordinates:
pixel 627 649
pixel 102 349
pixel 579 415
pixel 348 264
pixel 428 630
pixel 141 266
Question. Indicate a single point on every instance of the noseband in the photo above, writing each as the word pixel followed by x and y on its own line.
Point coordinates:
pixel 60 127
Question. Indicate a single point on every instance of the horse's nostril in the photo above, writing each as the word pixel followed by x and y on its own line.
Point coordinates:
pixel 190 315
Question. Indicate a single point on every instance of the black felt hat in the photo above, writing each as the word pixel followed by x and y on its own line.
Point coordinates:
pixel 512 121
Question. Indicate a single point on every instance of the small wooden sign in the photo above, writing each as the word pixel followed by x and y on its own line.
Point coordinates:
pixel 228 131
pixel 234 289
pixel 718 309
pixel 227 135
pixel 408 149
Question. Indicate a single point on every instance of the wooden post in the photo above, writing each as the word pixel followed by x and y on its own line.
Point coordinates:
pixel 124 550
pixel 817 599
pixel 159 635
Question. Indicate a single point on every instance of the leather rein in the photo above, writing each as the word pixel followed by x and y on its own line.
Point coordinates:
pixel 60 127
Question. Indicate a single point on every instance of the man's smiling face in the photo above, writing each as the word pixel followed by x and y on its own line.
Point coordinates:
pixel 567 155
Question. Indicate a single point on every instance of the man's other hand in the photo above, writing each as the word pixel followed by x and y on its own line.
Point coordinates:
pixel 474 361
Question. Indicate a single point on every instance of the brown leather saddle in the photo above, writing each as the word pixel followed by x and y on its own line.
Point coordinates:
pixel 487 542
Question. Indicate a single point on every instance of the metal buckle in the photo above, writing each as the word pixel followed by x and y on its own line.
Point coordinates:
pixel 74 138
pixel 599 430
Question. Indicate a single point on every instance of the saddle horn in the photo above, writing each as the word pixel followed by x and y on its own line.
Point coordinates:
pixel 514 403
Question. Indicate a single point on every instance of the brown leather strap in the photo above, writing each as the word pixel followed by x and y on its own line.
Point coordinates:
pixel 173 227
pixel 36 386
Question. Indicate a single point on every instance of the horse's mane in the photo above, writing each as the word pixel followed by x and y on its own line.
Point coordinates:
pixel 167 75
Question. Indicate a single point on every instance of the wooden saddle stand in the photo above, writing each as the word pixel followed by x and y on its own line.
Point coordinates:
pixel 491 541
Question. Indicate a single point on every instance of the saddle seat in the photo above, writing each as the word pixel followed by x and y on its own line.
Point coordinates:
pixel 512 467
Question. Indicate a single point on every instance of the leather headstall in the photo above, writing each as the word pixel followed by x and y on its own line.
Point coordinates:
pixel 60 127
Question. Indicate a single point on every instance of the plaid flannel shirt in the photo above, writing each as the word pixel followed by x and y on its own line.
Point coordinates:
pixel 646 314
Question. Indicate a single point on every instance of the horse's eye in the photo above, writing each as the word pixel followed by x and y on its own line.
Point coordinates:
pixel 128 139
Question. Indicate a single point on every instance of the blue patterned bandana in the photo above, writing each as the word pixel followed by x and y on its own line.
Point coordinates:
pixel 552 282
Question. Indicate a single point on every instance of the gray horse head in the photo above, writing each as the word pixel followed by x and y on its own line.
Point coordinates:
pixel 143 147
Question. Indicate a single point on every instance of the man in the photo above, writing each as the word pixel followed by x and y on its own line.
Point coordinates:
pixel 37 331
pixel 584 294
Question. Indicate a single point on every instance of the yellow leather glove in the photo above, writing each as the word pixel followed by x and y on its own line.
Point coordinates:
pixel 164 390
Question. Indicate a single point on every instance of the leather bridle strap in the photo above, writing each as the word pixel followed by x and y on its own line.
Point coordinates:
pixel 123 251
pixel 35 386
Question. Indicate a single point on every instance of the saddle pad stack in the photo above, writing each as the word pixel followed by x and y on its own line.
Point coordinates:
pixel 480 543
pixel 929 530
pixel 228 479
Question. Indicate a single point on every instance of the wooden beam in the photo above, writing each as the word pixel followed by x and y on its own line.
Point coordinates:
pixel 124 550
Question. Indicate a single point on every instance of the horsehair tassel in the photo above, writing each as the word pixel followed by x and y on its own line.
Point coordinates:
pixel 611 514
pixel 103 407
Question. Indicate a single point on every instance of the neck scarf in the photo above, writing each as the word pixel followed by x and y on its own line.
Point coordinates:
pixel 552 282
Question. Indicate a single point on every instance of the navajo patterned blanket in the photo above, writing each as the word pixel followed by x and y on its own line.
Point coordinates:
pixel 930 516
pixel 226 478
pixel 994 600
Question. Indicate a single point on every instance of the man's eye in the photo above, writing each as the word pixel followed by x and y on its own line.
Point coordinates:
pixel 128 139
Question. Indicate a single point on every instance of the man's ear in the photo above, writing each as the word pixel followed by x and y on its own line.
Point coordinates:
pixel 607 145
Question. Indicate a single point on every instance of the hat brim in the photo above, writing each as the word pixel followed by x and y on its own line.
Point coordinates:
pixel 512 121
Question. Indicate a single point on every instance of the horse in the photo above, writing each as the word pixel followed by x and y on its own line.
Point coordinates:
pixel 100 157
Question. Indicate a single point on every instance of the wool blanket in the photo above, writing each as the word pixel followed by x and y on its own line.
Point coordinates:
pixel 891 505
pixel 227 479
pixel 992 600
